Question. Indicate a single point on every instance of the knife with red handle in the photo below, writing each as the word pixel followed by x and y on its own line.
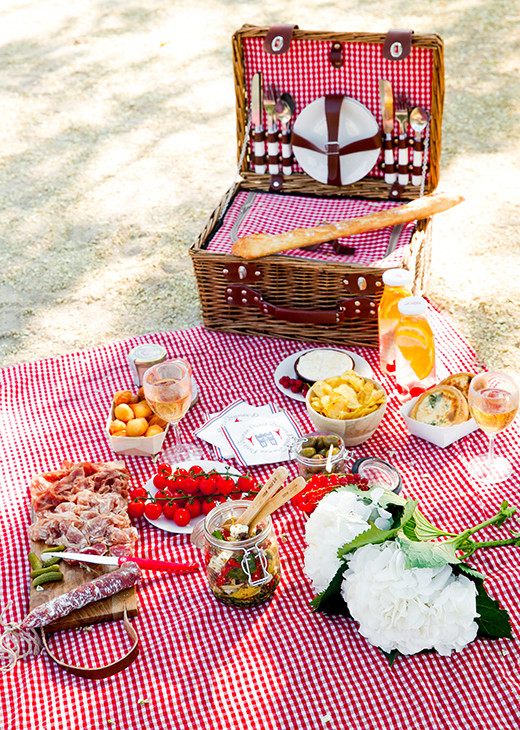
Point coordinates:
pixel 145 563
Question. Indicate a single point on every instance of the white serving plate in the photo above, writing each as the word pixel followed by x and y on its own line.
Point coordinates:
pixel 356 122
pixel 169 525
pixel 286 367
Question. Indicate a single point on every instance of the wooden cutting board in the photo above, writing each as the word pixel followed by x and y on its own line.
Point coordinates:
pixel 108 609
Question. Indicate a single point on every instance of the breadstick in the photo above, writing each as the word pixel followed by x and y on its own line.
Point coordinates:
pixel 262 244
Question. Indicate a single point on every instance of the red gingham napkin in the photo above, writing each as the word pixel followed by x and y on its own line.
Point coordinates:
pixel 277 666
pixel 272 213
pixel 306 73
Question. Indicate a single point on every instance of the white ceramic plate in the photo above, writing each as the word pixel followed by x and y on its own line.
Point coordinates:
pixel 169 525
pixel 286 367
pixel 355 122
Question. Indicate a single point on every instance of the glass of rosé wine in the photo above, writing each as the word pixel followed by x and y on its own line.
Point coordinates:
pixel 493 399
pixel 168 389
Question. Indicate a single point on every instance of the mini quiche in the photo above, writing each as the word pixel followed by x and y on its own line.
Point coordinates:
pixel 460 381
pixel 442 405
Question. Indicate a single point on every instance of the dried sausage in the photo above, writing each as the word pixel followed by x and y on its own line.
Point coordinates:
pixel 102 587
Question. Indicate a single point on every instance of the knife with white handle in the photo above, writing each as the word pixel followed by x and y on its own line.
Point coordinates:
pixel 144 563
pixel 387 112
pixel 257 109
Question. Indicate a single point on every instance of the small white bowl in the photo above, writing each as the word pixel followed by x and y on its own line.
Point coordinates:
pixel 135 445
pixel 353 431
pixel 439 435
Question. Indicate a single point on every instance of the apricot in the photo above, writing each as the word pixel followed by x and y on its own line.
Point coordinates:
pixel 157 421
pixel 141 409
pixel 117 428
pixel 123 412
pixel 153 430
pixel 137 427
pixel 122 396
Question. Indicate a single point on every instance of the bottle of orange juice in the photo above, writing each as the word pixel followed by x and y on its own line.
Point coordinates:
pixel 396 283
pixel 414 348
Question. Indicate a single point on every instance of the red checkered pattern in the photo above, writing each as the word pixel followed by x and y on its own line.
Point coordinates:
pixel 306 73
pixel 274 667
pixel 271 213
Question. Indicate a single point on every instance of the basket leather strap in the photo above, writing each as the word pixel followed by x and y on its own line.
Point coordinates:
pixel 108 670
pixel 332 111
pixel 354 307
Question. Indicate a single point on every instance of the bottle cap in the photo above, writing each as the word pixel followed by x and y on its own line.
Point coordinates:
pixel 412 305
pixel 397 277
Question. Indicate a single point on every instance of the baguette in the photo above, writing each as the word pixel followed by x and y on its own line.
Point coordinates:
pixel 256 245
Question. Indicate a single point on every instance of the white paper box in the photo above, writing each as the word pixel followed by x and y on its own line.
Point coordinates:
pixel 135 445
pixel 438 435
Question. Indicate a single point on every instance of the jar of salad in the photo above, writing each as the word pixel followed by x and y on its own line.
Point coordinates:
pixel 243 569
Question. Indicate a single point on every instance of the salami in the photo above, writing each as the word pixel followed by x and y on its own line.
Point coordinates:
pixel 102 587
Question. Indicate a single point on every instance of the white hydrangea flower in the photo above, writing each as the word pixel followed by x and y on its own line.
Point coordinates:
pixel 408 609
pixel 338 519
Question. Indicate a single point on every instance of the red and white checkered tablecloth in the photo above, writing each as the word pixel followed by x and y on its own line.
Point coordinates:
pixel 255 212
pixel 274 667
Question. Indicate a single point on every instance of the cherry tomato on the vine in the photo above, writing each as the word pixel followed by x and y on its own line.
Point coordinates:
pixel 193 507
pixel 178 498
pixel 196 469
pixel 225 485
pixel 209 504
pixel 138 493
pixel 153 510
pixel 169 509
pixel 208 484
pixel 246 483
pixel 164 468
pixel 162 496
pixel 160 481
pixel 136 509
pixel 190 486
pixel 181 517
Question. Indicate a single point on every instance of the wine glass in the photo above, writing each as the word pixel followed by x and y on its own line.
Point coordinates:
pixel 493 399
pixel 168 388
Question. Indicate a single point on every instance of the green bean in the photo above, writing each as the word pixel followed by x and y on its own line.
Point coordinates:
pixel 35 561
pixel 46 569
pixel 47 578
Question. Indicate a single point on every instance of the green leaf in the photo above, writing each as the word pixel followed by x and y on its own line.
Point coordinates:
pixel 374 535
pixel 424 529
pixel 330 600
pixel 470 572
pixel 391 655
pixel 427 554
pixel 493 621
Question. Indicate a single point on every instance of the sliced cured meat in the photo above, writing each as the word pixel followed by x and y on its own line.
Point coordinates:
pixel 82 505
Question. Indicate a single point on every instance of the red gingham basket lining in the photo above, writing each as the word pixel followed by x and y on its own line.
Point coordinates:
pixel 306 73
pixel 203 664
pixel 271 213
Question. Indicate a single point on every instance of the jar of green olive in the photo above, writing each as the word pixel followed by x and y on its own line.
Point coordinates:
pixel 311 452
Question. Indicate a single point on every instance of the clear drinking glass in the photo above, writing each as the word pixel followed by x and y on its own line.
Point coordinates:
pixel 493 399
pixel 168 388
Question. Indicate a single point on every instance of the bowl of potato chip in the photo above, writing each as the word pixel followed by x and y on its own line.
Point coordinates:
pixel 349 405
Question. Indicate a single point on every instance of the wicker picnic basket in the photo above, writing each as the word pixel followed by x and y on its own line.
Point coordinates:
pixel 313 296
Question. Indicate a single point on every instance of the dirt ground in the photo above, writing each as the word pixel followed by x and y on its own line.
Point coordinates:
pixel 117 139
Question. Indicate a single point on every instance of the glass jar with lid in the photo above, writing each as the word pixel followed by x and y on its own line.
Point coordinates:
pixel 241 572
pixel 311 453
